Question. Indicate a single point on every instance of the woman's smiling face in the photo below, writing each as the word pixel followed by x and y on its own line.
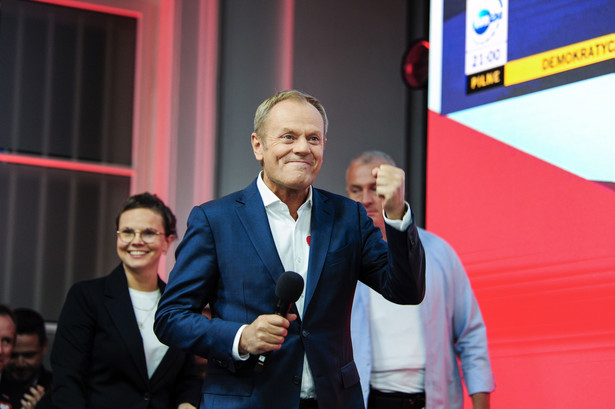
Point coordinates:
pixel 138 256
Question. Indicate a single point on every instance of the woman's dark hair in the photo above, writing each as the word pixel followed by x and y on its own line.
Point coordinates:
pixel 150 201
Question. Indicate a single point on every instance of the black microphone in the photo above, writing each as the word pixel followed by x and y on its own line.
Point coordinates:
pixel 288 290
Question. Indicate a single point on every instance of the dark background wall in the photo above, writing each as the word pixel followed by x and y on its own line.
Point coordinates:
pixel 346 53
pixel 201 69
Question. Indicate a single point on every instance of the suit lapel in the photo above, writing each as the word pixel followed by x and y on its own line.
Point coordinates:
pixel 119 306
pixel 322 227
pixel 170 357
pixel 169 360
pixel 253 216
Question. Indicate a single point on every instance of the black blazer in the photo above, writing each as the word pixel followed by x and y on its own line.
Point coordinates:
pixel 97 356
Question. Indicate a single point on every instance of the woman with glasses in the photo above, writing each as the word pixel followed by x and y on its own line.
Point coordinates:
pixel 105 353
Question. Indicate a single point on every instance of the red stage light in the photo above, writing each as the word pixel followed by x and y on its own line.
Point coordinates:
pixel 415 64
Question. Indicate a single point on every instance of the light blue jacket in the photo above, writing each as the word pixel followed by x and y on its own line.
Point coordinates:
pixel 452 324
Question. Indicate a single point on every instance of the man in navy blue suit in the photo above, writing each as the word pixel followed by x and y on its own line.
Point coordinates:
pixel 235 249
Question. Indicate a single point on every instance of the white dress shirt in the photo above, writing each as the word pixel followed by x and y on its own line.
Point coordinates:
pixel 292 240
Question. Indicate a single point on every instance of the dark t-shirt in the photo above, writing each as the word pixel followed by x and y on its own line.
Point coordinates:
pixel 12 390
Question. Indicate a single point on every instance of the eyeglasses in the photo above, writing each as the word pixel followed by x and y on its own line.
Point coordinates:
pixel 147 235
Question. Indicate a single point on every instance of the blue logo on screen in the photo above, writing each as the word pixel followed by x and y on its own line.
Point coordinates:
pixel 484 19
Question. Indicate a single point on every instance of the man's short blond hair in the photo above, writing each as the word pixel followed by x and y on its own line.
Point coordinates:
pixel 265 107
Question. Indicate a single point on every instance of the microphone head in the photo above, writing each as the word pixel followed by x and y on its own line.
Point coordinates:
pixel 289 286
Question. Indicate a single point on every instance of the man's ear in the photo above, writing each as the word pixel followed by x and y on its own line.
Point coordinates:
pixel 257 147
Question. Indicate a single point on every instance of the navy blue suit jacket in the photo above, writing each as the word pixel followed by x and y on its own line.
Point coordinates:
pixel 228 259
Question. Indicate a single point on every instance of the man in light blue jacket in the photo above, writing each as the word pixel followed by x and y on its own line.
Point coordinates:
pixel 407 356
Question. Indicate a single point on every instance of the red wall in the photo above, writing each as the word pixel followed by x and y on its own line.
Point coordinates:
pixel 539 246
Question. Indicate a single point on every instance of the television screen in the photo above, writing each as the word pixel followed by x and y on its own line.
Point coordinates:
pixel 521 181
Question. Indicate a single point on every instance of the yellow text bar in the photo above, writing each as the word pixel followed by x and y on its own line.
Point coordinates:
pixel 560 59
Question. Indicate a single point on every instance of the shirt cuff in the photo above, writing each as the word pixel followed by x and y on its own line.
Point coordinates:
pixel 402 224
pixel 236 355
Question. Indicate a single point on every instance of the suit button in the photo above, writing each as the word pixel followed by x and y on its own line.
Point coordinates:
pixel 297 380
pixel 146 396
pixel 305 333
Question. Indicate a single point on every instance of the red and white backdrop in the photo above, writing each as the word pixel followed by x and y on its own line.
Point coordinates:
pixel 520 180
